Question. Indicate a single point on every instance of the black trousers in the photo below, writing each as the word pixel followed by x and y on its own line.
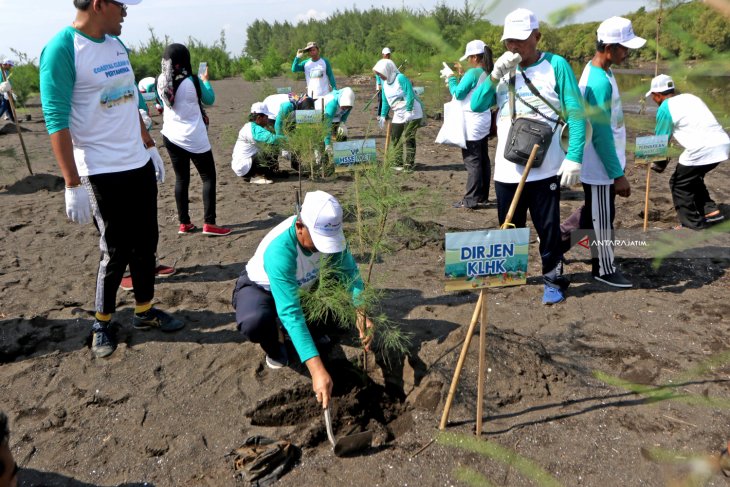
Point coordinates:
pixel 478 170
pixel 597 215
pixel 407 146
pixel 125 212
pixel 256 315
pixel 542 199
pixel 689 193
pixel 205 166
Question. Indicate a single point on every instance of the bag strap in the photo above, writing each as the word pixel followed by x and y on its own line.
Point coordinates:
pixel 535 92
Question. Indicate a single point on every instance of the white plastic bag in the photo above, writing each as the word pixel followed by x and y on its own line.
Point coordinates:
pixel 453 130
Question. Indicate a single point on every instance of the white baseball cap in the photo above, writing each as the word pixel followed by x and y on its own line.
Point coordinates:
pixel 321 213
pixel 473 47
pixel 262 109
pixel 618 30
pixel 132 2
pixel 347 97
pixel 386 50
pixel 9 62
pixel 519 24
pixel 660 84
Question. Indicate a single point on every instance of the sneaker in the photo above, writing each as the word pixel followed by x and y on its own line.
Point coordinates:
pixel 552 295
pixel 186 228
pixel 462 204
pixel 163 270
pixel 127 284
pixel 615 279
pixel 103 342
pixel 155 318
pixel 274 364
pixel 260 180
pixel 215 230
pixel 398 168
pixel 714 217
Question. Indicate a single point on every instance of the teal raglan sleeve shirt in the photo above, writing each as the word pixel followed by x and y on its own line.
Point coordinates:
pixel 297 66
pixel 410 96
pixel 284 110
pixel 484 96
pixel 330 74
pixel 330 110
pixel 460 89
pixel 207 95
pixel 57 78
pixel 598 97
pixel 280 264
pixel 572 105
pixel 664 122
pixel 264 136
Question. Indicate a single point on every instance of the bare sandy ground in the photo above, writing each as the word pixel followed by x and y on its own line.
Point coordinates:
pixel 165 410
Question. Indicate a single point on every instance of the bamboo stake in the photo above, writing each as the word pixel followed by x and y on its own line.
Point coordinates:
pixel 460 363
pixel 482 364
pixel 387 137
pixel 17 124
pixel 520 187
pixel 646 196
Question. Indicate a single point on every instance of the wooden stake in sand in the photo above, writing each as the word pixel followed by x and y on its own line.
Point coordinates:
pixel 17 124
pixel 646 196
pixel 480 314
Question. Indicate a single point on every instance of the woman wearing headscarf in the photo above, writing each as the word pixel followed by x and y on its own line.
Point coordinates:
pixel 185 134
pixel 407 108
pixel 477 124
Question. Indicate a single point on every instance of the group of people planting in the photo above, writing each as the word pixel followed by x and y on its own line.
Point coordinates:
pixel 111 165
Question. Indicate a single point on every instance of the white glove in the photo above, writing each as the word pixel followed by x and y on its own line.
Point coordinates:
pixel 78 205
pixel 342 130
pixel 159 165
pixel 447 72
pixel 317 157
pixel 569 173
pixel 506 63
pixel 381 123
pixel 300 54
pixel 409 115
pixel 146 119
pixel 285 154
pixel 5 87
pixel 328 149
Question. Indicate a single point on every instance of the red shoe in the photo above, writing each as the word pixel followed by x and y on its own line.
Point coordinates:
pixel 163 270
pixel 186 228
pixel 127 283
pixel 215 231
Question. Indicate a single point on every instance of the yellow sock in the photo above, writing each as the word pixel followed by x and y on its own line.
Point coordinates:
pixel 103 316
pixel 142 307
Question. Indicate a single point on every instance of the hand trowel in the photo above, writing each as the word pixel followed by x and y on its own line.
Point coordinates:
pixel 349 444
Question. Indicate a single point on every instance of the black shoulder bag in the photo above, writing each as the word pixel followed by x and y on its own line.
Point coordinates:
pixel 524 132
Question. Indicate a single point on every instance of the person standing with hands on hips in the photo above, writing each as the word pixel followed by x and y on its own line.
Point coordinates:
pixel 530 73
pixel 185 134
pixel 107 158
pixel 478 124
pixel 288 259
pixel 317 71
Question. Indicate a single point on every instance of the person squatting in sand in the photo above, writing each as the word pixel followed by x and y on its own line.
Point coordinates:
pixel 90 103
pixel 256 152
pixel 288 259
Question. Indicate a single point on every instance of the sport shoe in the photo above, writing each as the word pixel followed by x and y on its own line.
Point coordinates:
pixel 215 231
pixel 615 279
pixel 163 270
pixel 186 228
pixel 462 204
pixel 260 180
pixel 155 318
pixel 127 284
pixel 552 295
pixel 103 342
pixel 714 217
pixel 274 364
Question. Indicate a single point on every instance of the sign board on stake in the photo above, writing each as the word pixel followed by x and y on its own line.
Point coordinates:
pixel 284 90
pixel 353 153
pixel 308 116
pixel 651 148
pixel 486 258
pixel 418 90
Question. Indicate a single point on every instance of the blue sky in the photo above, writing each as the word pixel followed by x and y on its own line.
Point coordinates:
pixel 26 27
